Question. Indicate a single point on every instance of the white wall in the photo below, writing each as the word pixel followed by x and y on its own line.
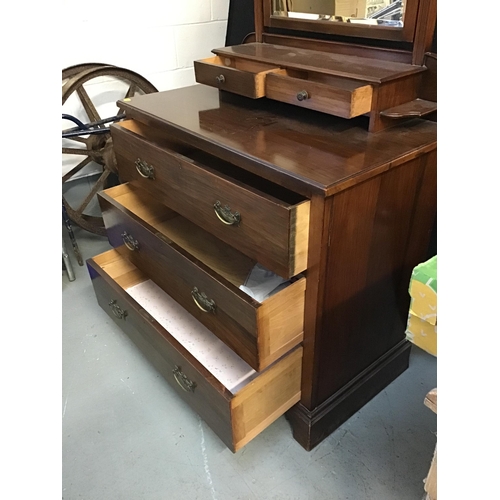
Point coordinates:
pixel 159 39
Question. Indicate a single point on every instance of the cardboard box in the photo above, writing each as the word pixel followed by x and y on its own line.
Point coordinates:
pixel 422 333
pixel 422 318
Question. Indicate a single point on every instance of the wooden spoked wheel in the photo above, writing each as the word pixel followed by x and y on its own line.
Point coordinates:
pixel 71 71
pixel 89 94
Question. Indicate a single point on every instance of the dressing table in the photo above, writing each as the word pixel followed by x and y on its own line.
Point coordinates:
pixel 305 151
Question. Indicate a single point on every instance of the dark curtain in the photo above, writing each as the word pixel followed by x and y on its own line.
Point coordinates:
pixel 240 21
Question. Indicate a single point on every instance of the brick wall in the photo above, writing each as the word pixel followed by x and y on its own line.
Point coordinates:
pixel 157 39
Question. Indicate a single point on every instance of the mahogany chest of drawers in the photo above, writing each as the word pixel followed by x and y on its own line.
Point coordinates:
pixel 214 185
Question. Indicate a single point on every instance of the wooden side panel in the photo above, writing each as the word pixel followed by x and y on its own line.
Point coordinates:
pixel 266 398
pixel 316 267
pixel 428 87
pixel 368 268
pixel 389 95
pixel 423 221
pixel 299 237
pixel 281 322
pixel 426 22
pixel 124 273
pixel 258 20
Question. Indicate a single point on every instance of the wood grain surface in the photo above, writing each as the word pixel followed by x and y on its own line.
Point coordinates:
pixel 191 189
pixel 179 256
pixel 302 150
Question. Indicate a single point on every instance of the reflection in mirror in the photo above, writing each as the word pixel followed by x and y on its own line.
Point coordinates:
pixel 374 12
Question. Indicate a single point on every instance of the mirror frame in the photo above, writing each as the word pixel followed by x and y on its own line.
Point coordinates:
pixel 404 34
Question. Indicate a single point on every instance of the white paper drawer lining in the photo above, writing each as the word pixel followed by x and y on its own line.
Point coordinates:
pixel 220 360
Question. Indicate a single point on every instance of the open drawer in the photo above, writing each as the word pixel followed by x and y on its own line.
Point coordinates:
pixel 234 75
pixel 204 275
pixel 329 94
pixel 234 400
pixel 264 221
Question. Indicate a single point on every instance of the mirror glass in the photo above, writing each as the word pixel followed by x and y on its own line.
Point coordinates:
pixel 371 12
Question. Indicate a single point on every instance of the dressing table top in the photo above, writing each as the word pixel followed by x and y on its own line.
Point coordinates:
pixel 302 150
pixel 364 69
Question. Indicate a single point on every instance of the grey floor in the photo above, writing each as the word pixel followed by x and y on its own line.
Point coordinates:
pixel 127 436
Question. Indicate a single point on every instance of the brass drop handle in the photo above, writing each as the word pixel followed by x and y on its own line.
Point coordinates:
pixel 202 301
pixel 117 310
pixel 129 241
pixel 220 79
pixel 302 95
pixel 225 215
pixel 145 170
pixel 181 378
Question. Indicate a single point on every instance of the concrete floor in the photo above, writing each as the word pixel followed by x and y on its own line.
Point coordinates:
pixel 127 436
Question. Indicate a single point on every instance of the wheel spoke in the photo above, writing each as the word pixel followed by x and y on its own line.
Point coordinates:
pixel 77 138
pixel 97 186
pixel 77 168
pixel 131 91
pixel 74 151
pixel 88 105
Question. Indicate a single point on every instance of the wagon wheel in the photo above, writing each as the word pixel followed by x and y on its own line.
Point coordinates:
pixel 71 71
pixel 95 148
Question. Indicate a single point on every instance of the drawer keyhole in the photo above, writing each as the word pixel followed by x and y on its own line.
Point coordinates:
pixel 220 79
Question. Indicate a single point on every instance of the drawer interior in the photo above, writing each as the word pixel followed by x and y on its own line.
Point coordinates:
pixel 239 64
pixel 224 260
pixel 228 368
pixel 237 402
pixel 322 78
pixel 234 75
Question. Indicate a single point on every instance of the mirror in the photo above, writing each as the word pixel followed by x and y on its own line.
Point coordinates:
pixel 386 13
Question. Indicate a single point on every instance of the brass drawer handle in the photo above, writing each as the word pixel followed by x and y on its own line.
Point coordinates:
pixel 129 241
pixel 181 378
pixel 117 310
pixel 202 301
pixel 225 215
pixel 145 170
pixel 220 79
pixel 302 95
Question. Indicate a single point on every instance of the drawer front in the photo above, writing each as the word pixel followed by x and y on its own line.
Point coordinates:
pixel 346 102
pixel 221 73
pixel 236 416
pixel 271 232
pixel 210 400
pixel 231 318
pixel 258 333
